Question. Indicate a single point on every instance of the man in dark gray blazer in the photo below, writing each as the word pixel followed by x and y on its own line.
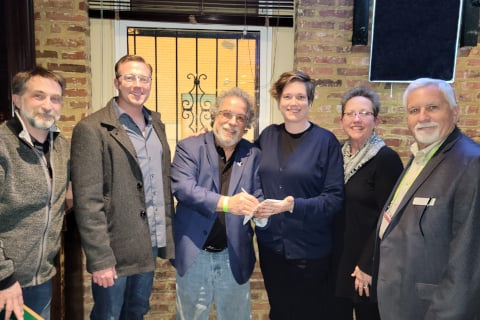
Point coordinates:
pixel 122 195
pixel 428 251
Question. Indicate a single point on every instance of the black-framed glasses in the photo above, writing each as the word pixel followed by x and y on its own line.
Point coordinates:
pixel 136 77
pixel 227 114
pixel 361 114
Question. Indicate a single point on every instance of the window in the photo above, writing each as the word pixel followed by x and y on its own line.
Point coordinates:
pixel 192 66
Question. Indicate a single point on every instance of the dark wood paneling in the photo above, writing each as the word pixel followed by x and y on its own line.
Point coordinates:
pixel 73 271
pixel 17 46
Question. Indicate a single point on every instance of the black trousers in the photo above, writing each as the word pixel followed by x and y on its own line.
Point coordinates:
pixel 297 289
pixel 364 309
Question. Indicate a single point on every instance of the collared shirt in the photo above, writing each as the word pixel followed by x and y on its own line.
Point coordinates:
pixel 149 155
pixel 43 150
pixel 420 160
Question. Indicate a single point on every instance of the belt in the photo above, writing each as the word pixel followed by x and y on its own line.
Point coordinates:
pixel 213 249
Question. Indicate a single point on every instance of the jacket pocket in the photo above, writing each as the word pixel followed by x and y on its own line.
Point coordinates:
pixel 425 293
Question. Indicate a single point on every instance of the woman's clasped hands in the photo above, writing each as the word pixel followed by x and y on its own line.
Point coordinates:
pixel 269 207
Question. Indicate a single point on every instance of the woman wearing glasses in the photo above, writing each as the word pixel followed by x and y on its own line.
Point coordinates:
pixel 371 170
pixel 301 165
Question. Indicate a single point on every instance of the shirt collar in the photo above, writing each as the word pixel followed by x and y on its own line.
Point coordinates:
pixel 422 156
pixel 119 112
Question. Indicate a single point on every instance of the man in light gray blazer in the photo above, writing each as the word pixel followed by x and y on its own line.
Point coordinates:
pixel 428 251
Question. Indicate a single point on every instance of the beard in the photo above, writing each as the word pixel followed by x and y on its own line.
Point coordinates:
pixel 223 139
pixel 427 138
pixel 40 120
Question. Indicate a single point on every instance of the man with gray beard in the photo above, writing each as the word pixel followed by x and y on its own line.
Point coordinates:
pixel 427 254
pixel 214 178
pixel 34 178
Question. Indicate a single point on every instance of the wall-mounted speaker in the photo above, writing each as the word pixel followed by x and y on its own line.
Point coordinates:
pixel 361 11
pixel 470 17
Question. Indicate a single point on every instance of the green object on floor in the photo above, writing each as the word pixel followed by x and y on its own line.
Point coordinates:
pixel 28 314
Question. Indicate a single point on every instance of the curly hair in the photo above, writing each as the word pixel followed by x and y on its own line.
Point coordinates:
pixel 237 92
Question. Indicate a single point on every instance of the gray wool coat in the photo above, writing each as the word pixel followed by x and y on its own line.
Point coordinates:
pixel 109 201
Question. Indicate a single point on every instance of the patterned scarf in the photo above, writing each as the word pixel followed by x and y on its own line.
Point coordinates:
pixel 351 163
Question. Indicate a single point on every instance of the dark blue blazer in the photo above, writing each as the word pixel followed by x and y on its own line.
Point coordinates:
pixel 196 186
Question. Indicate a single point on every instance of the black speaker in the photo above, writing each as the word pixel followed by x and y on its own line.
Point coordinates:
pixel 470 17
pixel 413 39
pixel 360 22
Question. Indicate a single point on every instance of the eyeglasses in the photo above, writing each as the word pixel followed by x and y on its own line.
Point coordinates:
pixel 361 114
pixel 241 118
pixel 135 77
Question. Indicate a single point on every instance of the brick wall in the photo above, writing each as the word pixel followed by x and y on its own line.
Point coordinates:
pixel 323 49
pixel 62 44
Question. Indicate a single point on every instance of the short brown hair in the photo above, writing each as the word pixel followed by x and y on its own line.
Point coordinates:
pixel 292 76
pixel 128 58
pixel 19 81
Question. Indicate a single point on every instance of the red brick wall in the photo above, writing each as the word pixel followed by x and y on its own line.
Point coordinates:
pixel 322 48
pixel 62 41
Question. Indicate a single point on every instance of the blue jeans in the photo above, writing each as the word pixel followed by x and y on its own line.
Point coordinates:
pixel 127 299
pixel 39 298
pixel 208 280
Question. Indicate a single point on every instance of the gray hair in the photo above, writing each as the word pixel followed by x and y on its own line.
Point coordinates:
pixel 365 92
pixel 445 88
pixel 236 92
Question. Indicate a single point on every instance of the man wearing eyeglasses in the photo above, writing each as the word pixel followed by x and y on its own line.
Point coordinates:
pixel 214 178
pixel 122 196
pixel 427 255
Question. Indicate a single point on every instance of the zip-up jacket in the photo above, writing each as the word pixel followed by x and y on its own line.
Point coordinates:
pixel 31 205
